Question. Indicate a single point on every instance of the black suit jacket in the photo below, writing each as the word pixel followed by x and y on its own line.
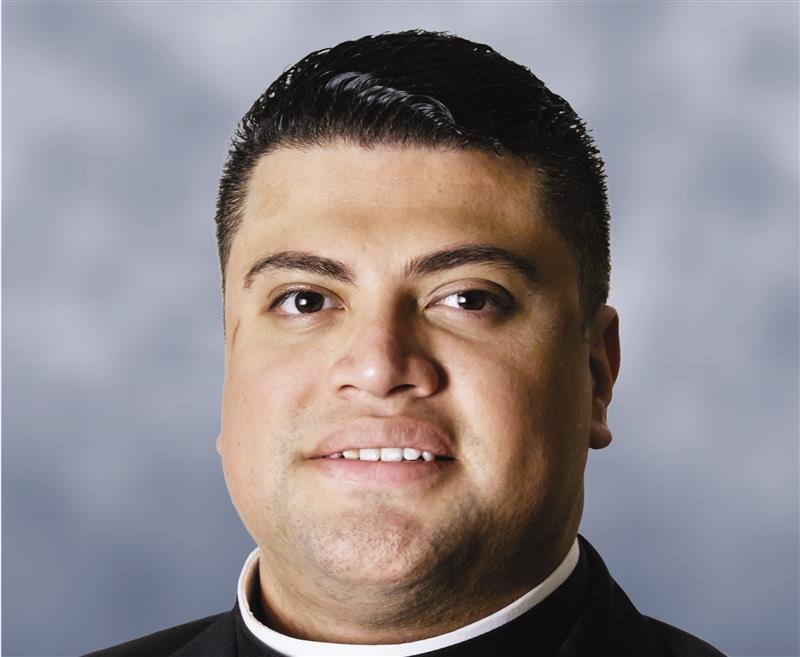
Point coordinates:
pixel 601 622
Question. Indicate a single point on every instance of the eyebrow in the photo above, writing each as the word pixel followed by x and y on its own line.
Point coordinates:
pixel 429 263
pixel 481 254
pixel 301 261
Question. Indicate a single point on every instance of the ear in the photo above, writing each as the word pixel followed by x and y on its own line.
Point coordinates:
pixel 604 358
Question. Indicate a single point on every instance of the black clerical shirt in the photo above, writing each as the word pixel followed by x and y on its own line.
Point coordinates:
pixel 587 616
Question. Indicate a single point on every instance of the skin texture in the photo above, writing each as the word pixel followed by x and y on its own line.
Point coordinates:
pixel 520 394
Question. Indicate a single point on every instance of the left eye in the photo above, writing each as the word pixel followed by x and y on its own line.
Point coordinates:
pixel 471 300
pixel 302 302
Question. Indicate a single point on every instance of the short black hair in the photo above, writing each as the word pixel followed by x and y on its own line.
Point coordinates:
pixel 431 89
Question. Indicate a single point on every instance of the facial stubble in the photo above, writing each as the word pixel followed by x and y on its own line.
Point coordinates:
pixel 378 565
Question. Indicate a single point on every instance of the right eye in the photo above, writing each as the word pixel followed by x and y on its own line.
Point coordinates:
pixel 301 302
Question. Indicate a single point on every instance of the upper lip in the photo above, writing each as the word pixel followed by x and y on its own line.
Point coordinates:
pixel 387 432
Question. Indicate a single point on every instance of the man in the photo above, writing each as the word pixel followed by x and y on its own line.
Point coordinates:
pixel 413 234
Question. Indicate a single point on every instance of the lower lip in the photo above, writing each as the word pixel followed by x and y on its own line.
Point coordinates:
pixel 369 473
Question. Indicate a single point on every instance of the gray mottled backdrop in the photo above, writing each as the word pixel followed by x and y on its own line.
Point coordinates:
pixel 116 117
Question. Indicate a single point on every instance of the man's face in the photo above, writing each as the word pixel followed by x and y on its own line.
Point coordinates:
pixel 406 298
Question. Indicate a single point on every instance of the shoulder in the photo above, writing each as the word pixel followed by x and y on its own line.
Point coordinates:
pixel 162 643
pixel 612 625
pixel 680 643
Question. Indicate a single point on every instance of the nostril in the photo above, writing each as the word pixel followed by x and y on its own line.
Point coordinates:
pixel 384 375
pixel 401 388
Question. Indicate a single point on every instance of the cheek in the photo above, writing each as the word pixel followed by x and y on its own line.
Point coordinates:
pixel 266 388
pixel 262 398
pixel 521 417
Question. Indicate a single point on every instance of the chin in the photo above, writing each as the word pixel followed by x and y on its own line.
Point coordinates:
pixel 383 550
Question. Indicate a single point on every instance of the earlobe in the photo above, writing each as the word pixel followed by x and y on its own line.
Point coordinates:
pixel 604 362
pixel 599 434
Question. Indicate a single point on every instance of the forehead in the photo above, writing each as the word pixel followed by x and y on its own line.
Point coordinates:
pixel 340 173
pixel 350 202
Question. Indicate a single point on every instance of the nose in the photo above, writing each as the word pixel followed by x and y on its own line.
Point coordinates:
pixel 383 359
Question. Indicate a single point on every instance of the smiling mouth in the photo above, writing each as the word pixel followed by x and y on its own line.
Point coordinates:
pixel 385 455
pixel 384 468
pixel 388 455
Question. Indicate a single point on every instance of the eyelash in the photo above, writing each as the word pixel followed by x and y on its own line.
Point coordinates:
pixel 285 296
pixel 501 306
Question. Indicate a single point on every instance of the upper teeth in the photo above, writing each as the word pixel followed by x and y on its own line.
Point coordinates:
pixel 395 454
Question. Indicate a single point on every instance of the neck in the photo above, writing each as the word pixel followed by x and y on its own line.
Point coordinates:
pixel 320 609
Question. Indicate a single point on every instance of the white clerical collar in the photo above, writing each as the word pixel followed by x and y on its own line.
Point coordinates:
pixel 302 648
